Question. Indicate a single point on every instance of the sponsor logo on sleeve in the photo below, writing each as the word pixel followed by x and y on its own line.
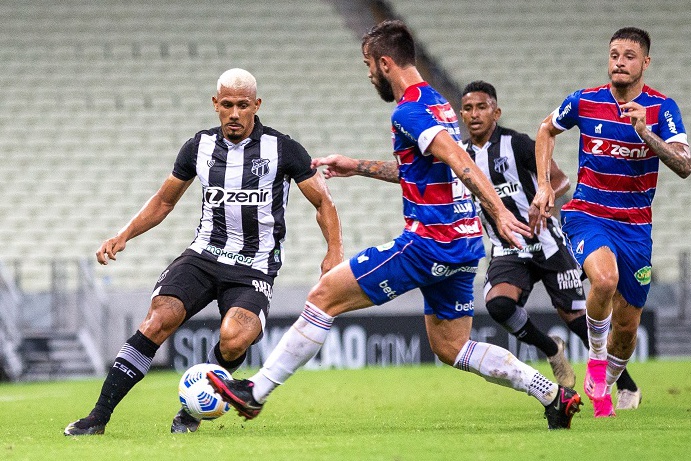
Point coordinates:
pixel 671 126
pixel 163 275
pixel 564 112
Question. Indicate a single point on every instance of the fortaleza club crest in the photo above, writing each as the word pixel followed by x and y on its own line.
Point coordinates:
pixel 260 166
pixel 644 275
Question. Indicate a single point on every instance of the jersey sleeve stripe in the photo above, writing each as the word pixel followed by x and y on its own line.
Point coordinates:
pixel 680 138
pixel 556 124
pixel 426 138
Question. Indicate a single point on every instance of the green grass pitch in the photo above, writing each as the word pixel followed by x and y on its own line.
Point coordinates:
pixel 395 414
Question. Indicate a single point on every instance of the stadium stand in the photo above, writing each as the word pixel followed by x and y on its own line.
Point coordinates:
pixel 537 52
pixel 97 98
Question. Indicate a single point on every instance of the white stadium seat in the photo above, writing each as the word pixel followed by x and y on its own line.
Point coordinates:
pixel 94 110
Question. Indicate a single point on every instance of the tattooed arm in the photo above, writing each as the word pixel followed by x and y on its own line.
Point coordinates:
pixel 386 171
pixel 674 154
pixel 448 151
pixel 341 166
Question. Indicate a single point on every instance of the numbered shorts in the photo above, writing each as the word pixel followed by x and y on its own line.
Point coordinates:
pixel 560 275
pixel 387 271
pixel 632 246
pixel 196 281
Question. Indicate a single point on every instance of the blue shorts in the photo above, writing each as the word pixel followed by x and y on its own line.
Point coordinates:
pixel 389 270
pixel 632 247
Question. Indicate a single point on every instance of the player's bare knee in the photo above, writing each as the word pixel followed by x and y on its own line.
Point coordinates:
pixel 233 347
pixel 604 283
pixel 317 294
pixel 322 296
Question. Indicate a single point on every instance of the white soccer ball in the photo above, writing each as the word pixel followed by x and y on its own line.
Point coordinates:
pixel 197 396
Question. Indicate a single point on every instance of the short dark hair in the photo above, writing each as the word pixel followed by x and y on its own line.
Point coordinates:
pixel 480 85
pixel 633 34
pixel 390 38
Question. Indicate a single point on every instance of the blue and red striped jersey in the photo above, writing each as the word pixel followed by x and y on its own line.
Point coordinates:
pixel 617 171
pixel 436 205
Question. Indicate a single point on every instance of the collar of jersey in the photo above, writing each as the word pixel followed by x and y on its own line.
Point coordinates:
pixel 242 143
pixel 256 135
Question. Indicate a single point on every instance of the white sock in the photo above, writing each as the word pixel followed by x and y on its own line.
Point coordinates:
pixel 499 366
pixel 598 330
pixel 615 367
pixel 297 346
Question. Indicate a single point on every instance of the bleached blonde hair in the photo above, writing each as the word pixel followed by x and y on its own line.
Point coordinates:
pixel 237 78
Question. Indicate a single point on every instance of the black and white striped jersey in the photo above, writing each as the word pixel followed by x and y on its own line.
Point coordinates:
pixel 244 193
pixel 508 160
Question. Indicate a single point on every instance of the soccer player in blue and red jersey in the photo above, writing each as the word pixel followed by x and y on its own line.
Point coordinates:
pixel 437 252
pixel 626 129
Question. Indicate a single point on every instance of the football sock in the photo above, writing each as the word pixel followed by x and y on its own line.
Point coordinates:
pixel 516 321
pixel 615 366
pixel 297 346
pixel 625 381
pixel 598 330
pixel 580 327
pixel 130 366
pixel 497 365
pixel 216 357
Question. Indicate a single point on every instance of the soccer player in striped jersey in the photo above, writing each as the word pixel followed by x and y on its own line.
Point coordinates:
pixel 507 158
pixel 626 129
pixel 245 169
pixel 437 252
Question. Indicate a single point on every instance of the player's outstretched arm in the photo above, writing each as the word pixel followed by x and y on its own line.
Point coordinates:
pixel 543 202
pixel 342 166
pixel 316 191
pixel 558 180
pixel 674 154
pixel 448 151
pixel 152 213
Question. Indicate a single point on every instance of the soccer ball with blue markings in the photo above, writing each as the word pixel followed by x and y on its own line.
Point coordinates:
pixel 197 396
